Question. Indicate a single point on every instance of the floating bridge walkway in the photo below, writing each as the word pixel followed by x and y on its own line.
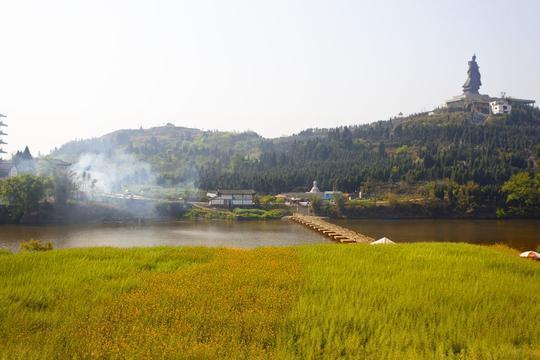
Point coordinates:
pixel 335 232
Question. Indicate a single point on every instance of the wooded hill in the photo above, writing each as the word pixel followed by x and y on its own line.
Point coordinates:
pixel 411 150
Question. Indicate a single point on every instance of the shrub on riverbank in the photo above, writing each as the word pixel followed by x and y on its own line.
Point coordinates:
pixel 71 213
pixel 398 208
pixel 420 301
pixel 23 193
pixel 260 214
pixel 236 214
pixel 36 245
pixel 206 214
pixel 171 209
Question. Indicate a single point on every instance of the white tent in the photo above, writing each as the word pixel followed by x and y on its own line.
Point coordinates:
pixel 383 240
pixel 530 255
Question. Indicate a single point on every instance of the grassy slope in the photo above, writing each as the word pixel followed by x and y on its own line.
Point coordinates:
pixel 415 301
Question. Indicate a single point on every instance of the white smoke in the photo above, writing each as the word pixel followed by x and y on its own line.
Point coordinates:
pixel 112 171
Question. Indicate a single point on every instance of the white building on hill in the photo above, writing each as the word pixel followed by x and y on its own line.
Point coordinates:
pixel 500 106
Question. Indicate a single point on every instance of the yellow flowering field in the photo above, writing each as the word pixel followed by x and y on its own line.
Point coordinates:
pixel 145 303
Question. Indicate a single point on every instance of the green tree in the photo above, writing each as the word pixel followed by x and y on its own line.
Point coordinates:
pixel 63 185
pixel 23 193
pixel 267 199
pixel 465 196
pixel 316 204
pixel 340 203
pixel 522 190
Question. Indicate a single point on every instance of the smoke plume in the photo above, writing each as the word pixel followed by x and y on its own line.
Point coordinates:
pixel 110 172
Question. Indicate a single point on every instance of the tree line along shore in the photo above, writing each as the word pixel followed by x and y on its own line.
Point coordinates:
pixel 31 199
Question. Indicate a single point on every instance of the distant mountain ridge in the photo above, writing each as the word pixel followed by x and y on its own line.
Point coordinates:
pixel 420 148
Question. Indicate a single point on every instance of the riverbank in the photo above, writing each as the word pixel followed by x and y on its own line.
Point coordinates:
pixel 96 213
pixel 238 214
pixel 404 301
pixel 71 213
pixel 417 209
pixel 132 211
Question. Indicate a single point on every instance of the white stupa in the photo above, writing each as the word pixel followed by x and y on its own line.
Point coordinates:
pixel 315 188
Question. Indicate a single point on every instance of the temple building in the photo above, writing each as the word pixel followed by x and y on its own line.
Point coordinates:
pixel 24 163
pixel 482 105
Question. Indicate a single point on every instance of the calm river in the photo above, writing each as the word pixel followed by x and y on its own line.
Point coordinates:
pixel 243 234
pixel 519 234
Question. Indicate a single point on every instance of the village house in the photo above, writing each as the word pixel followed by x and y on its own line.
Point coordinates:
pixel 233 198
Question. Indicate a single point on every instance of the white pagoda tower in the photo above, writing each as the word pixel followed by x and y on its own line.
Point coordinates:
pixel 2 124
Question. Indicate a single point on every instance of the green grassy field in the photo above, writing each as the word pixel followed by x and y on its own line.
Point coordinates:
pixel 422 301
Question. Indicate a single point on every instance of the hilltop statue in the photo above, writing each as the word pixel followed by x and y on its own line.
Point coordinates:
pixel 473 83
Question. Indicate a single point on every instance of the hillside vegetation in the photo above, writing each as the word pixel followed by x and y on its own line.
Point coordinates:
pixel 417 149
pixel 443 162
pixel 421 301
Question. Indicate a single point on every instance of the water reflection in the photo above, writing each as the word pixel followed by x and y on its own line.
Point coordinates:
pixel 214 234
pixel 518 234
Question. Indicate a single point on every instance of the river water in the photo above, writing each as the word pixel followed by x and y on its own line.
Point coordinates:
pixel 242 234
pixel 519 234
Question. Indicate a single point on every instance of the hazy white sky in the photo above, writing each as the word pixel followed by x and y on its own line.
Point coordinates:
pixel 76 69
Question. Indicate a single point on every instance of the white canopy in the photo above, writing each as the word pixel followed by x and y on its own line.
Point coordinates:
pixel 383 240
pixel 530 254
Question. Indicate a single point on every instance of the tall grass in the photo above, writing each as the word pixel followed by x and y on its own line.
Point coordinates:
pixel 422 301
pixel 145 303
